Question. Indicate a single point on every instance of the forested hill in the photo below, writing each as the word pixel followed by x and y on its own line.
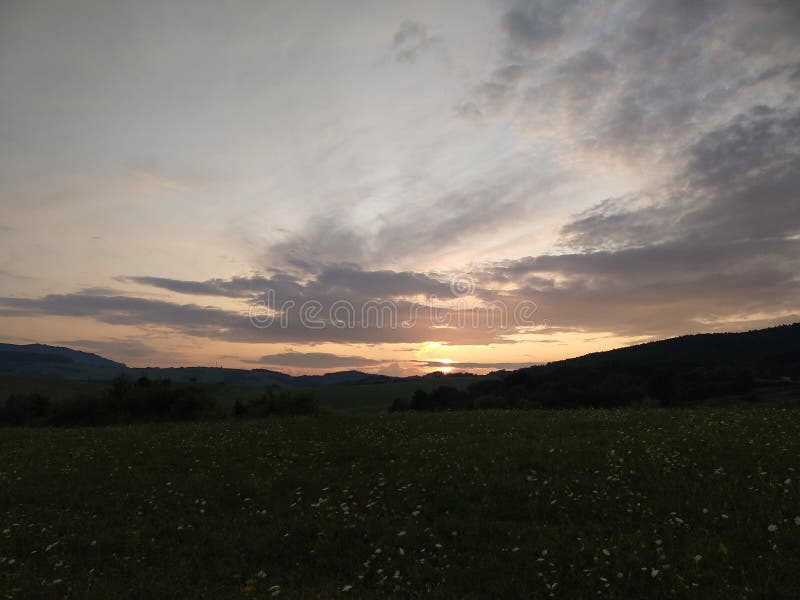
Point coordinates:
pixel 13 354
pixel 734 367
pixel 778 345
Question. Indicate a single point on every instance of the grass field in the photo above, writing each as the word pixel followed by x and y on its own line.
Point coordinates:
pixel 571 504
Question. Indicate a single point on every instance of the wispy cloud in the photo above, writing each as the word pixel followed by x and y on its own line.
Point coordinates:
pixel 314 360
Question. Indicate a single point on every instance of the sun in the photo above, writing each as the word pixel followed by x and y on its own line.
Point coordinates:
pixel 443 362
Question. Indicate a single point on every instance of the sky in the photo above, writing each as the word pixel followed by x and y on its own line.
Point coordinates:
pixel 395 187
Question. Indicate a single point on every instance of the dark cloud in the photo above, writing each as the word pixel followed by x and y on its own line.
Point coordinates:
pixel 584 64
pixel 649 76
pixel 329 283
pixel 325 239
pixel 315 360
pixel 719 242
pixel 531 25
pixel 740 183
pixel 307 319
pixel 204 321
pixel 361 284
pixel 237 287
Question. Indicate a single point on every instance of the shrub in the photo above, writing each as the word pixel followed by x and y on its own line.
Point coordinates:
pixel 23 409
pixel 275 401
pixel 399 405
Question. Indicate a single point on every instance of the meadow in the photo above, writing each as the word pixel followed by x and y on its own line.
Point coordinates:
pixel 683 503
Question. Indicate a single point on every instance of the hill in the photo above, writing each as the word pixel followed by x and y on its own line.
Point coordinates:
pixel 686 369
pixel 56 362
pixel 43 361
pixel 717 368
pixel 773 348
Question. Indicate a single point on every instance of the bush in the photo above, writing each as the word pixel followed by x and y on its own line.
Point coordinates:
pixel 84 410
pixel 399 405
pixel 443 397
pixel 275 402
pixel 25 409
pixel 148 400
pixel 125 402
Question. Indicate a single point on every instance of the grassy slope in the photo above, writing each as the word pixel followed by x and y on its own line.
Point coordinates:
pixel 481 505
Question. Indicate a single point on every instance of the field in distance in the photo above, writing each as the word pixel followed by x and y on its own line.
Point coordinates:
pixel 574 504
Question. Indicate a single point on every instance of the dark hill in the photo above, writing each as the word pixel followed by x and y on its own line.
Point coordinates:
pixel 55 362
pixel 41 353
pixel 758 348
pixel 688 370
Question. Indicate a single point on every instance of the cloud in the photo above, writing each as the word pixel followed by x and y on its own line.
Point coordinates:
pixel 117 348
pixel 740 183
pixel 325 239
pixel 411 40
pixel 420 228
pixel 377 284
pixel 193 319
pixel 639 79
pixel 314 360
pixel 12 275
pixel 330 282
pixel 436 364
pixel 468 111
pixel 716 245
pixel 237 287
pixel 333 318
pixel 531 25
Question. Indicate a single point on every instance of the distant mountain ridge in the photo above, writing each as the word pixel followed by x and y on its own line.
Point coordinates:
pixel 42 353
pixel 58 362
pixel 775 350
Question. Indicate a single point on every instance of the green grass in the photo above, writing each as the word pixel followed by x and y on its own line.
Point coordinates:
pixel 571 504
